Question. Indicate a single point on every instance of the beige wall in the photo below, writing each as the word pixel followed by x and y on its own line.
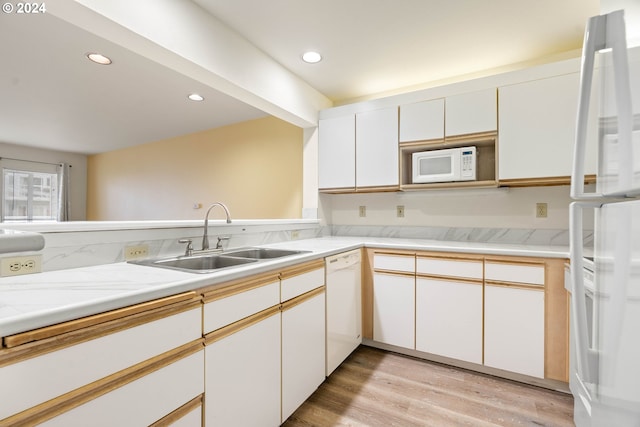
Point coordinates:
pixel 254 167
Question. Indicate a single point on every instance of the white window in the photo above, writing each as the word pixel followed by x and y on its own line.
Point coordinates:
pixel 29 191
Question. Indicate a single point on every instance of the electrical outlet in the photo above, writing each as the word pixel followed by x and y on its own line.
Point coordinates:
pixel 541 210
pixel 363 211
pixel 295 234
pixel 400 211
pixel 16 266
pixel 136 252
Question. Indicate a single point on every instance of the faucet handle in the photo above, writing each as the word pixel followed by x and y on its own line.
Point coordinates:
pixel 220 239
pixel 189 250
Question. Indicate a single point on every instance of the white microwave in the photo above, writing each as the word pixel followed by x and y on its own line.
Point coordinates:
pixel 446 165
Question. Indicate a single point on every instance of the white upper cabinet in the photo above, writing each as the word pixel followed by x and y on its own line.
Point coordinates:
pixel 471 112
pixel 377 148
pixel 422 121
pixel 537 128
pixel 337 152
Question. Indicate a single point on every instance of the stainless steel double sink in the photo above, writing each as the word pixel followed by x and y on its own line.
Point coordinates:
pixel 210 262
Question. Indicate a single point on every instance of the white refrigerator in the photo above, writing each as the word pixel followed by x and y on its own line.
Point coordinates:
pixel 605 278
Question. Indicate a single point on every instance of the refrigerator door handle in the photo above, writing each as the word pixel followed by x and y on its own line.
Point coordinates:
pixel 586 357
pixel 603 32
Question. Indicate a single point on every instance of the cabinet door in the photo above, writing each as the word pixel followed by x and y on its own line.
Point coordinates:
pixel 337 152
pixel 394 309
pixel 449 318
pixel 537 128
pixel 143 401
pixel 471 113
pixel 377 148
pixel 243 376
pixel 303 349
pixel 422 121
pixel 514 329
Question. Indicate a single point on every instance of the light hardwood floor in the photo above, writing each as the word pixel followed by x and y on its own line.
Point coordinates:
pixel 378 388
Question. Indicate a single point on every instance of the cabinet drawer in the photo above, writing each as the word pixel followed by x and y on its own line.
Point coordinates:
pixel 404 263
pixel 144 400
pixel 223 311
pixel 292 286
pixel 54 373
pixel 514 272
pixel 470 269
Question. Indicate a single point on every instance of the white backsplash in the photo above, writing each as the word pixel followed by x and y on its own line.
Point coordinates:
pixel 548 237
pixel 70 249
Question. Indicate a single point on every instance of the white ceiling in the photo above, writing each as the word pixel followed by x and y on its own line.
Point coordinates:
pixel 52 97
pixel 373 46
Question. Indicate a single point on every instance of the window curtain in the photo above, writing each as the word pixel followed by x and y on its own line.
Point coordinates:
pixel 63 192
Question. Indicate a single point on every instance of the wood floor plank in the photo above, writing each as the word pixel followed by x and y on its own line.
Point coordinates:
pixel 379 388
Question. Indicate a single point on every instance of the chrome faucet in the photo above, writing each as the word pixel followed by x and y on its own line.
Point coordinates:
pixel 205 236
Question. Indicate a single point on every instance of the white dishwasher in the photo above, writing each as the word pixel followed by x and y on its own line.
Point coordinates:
pixel 344 306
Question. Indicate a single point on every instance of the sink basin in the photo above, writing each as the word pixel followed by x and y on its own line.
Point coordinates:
pixel 196 263
pixel 261 253
pixel 208 263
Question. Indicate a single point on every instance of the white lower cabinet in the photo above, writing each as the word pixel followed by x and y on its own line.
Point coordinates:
pixel 143 401
pixel 267 353
pixel 514 329
pixel 71 373
pixel 303 349
pixel 394 309
pixel 449 318
pixel 243 375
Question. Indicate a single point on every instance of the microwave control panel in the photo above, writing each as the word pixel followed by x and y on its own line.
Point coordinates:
pixel 467 166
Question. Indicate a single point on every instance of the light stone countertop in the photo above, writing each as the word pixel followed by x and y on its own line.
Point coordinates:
pixel 37 300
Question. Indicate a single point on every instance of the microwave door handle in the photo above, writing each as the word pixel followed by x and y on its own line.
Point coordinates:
pixel 594 40
pixel 586 357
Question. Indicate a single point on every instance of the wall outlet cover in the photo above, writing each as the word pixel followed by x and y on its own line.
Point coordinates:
pixel 19 265
pixel 541 210
pixel 136 252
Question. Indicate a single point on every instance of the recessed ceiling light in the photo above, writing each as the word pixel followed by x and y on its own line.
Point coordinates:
pixel 196 97
pixel 311 57
pixel 99 59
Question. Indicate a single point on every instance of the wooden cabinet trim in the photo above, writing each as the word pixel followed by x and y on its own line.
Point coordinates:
pixel 514 285
pixel 239 286
pixel 84 322
pixel 61 404
pixel 451 256
pixel 347 190
pixel 522 262
pixel 380 189
pixel 543 181
pixel 225 331
pixel 556 315
pixel 395 273
pixel 75 336
pixel 468 280
pixel 187 408
pixel 301 269
pixel 302 298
